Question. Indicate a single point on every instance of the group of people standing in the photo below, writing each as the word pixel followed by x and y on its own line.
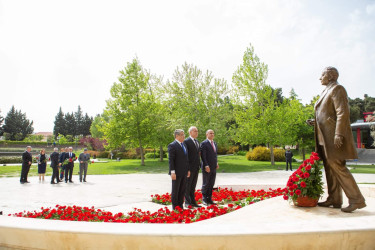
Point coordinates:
pixel 186 157
pixel 62 165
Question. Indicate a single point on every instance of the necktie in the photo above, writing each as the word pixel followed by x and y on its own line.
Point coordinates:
pixel 213 146
pixel 70 155
pixel 196 143
pixel 183 148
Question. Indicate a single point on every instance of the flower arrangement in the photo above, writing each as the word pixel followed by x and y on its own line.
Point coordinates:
pixel 66 161
pixel 306 181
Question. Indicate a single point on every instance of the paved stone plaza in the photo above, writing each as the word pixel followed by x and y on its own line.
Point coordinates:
pixel 270 224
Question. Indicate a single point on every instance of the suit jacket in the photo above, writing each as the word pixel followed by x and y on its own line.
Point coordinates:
pixel 178 161
pixel 193 154
pixel 70 164
pixel 209 156
pixel 332 118
pixel 26 158
pixel 83 157
pixel 62 157
pixel 54 159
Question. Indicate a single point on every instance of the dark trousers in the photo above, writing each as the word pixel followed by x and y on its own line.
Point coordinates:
pixel 55 174
pixel 24 172
pixel 208 185
pixel 68 172
pixel 83 170
pixel 290 164
pixel 191 183
pixel 178 191
pixel 62 172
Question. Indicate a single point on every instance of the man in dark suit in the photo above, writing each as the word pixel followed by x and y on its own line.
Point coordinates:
pixel 334 142
pixel 26 163
pixel 192 145
pixel 55 166
pixel 178 168
pixel 61 162
pixel 69 167
pixel 209 165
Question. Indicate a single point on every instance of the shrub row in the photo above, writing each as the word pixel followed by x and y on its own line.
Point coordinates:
pixel 264 154
pixel 13 159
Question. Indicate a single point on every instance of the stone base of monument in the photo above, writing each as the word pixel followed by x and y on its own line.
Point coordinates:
pixel 270 224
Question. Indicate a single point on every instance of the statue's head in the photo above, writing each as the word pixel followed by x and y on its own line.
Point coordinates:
pixel 333 73
pixel 330 74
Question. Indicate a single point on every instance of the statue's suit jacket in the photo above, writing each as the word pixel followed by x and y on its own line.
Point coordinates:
pixel 332 117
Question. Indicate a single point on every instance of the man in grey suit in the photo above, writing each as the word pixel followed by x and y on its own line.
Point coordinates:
pixel 83 159
pixel 334 142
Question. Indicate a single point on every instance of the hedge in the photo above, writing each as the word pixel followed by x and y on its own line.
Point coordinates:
pixel 264 154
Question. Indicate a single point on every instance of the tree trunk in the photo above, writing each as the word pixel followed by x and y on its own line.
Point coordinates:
pixel 142 154
pixel 272 155
pixel 161 153
pixel 303 154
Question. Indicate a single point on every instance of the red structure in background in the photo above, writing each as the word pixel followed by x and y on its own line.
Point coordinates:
pixel 361 130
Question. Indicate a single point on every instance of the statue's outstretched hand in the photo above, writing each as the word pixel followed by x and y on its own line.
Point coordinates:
pixel 338 141
pixel 311 122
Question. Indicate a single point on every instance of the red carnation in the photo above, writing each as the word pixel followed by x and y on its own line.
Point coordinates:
pixel 306 175
pixel 294 186
pixel 295 179
pixel 303 184
pixel 285 197
pixel 308 167
pixel 298 192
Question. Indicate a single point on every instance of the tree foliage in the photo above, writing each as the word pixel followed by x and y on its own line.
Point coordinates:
pixel 131 110
pixel 194 98
pixel 73 124
pixel 16 125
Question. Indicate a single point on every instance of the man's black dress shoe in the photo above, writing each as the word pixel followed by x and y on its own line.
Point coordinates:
pixel 328 204
pixel 27 182
pixel 71 181
pixel 22 182
pixel 211 202
pixel 196 205
pixel 353 207
pixel 84 180
pixel 53 183
pixel 206 203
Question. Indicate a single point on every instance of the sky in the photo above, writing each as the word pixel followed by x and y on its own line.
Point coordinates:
pixel 67 53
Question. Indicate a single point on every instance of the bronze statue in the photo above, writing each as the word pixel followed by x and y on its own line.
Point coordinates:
pixel 334 142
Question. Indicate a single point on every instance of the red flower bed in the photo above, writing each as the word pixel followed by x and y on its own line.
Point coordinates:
pixel 224 195
pixel 163 215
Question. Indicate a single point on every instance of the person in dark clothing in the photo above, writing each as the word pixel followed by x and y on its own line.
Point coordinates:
pixel 42 164
pixel 288 158
pixel 61 162
pixel 69 167
pixel 209 166
pixel 178 168
pixel 192 145
pixel 55 166
pixel 26 163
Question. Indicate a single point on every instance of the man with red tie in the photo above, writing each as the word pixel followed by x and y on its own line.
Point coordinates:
pixel 209 165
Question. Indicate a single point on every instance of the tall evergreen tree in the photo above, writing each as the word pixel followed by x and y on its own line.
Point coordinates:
pixel 79 119
pixel 17 126
pixel 86 124
pixel 1 124
pixel 71 125
pixel 60 124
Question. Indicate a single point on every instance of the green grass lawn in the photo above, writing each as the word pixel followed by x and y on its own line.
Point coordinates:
pixel 228 164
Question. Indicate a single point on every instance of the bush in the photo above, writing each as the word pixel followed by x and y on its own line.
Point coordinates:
pixel 233 149
pixel 241 153
pixel 279 154
pixel 13 159
pixel 259 154
pixel 157 155
pixel 264 154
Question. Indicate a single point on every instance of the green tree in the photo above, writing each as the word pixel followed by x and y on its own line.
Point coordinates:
pixel 70 124
pixel 60 124
pixel 86 125
pixel 16 125
pixel 78 117
pixel 1 124
pixel 96 128
pixel 131 109
pixel 260 117
pixel 197 99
